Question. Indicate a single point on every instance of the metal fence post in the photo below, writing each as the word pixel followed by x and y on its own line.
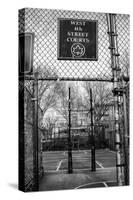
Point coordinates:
pixel 93 163
pixel 70 167
pixel 125 140
pixel 54 136
pixel 111 20
pixel 35 135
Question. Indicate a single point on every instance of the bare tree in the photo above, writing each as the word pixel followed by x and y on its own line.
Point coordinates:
pixel 48 100
pixel 46 95
pixel 50 122
pixel 61 90
pixel 102 97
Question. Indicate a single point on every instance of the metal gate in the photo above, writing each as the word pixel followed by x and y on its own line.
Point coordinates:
pixel 112 66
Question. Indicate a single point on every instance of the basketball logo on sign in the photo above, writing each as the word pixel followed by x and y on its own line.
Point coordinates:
pixel 77 50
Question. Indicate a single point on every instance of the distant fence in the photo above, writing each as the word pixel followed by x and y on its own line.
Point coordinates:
pixel 81 141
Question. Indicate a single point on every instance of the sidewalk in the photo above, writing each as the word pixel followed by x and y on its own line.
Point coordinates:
pixel 62 180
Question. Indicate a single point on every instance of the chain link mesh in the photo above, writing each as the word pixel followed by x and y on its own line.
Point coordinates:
pixel 43 23
pixel 122 26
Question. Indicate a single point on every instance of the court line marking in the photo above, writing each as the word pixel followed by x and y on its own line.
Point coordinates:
pixel 105 184
pixel 92 183
pixel 51 152
pixel 49 161
pixel 100 164
pixel 85 152
pixel 74 158
pixel 75 151
pixel 59 165
pixel 82 158
pixel 113 152
pixel 109 169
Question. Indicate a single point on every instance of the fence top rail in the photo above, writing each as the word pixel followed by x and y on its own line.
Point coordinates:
pixel 63 79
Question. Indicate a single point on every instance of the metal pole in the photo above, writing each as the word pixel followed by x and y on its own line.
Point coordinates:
pixel 116 86
pixel 35 136
pixel 54 138
pixel 117 102
pixel 125 141
pixel 70 167
pixel 118 140
pixel 65 79
pixel 59 133
pixel 93 162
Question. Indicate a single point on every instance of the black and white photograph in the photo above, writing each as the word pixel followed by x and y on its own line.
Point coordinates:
pixel 74 77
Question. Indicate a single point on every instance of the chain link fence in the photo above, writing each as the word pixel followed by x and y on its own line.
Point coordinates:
pixel 26 142
pixel 43 23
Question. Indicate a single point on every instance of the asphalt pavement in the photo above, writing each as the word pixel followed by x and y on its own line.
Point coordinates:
pixel 56 175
